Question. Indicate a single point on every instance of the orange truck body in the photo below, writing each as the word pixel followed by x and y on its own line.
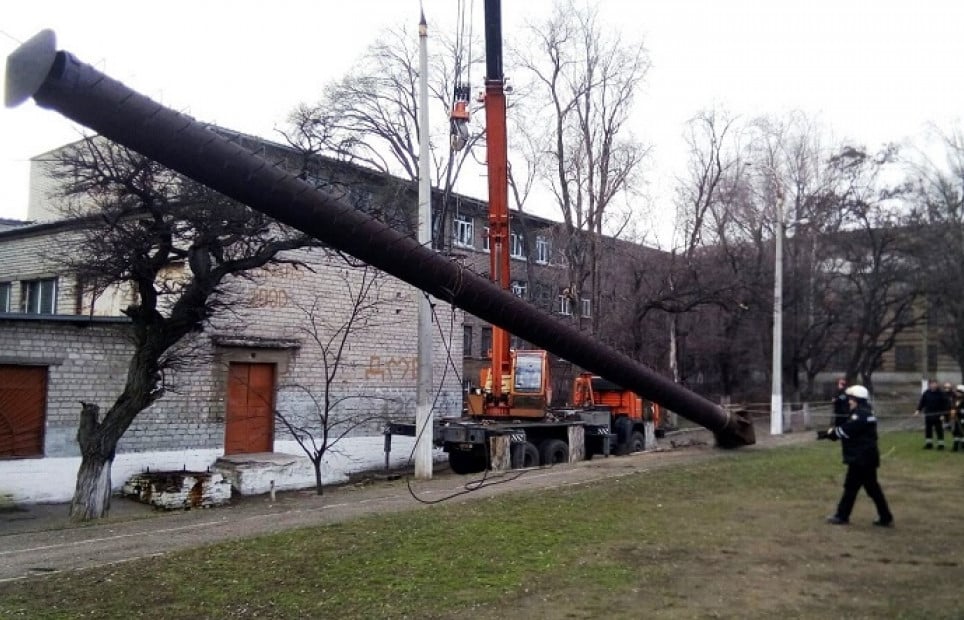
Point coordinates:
pixel 594 391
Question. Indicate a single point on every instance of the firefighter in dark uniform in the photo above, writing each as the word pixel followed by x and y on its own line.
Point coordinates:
pixel 858 438
pixel 933 404
pixel 957 418
pixel 841 410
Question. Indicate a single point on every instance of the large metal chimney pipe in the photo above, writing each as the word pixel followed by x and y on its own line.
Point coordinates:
pixel 57 80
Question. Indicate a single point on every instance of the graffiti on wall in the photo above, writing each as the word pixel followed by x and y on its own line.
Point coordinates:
pixel 391 368
pixel 275 296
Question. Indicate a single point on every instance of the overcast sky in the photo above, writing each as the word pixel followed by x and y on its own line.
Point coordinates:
pixel 871 71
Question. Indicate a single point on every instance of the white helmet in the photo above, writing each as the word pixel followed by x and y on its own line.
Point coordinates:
pixel 960 388
pixel 857 391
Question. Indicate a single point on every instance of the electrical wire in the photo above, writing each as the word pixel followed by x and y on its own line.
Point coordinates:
pixel 487 478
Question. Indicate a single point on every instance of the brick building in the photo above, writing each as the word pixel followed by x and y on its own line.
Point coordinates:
pixel 60 345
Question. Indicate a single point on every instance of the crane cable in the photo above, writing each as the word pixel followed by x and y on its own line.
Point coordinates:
pixel 459 118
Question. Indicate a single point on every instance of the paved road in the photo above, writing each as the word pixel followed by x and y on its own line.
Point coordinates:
pixel 50 546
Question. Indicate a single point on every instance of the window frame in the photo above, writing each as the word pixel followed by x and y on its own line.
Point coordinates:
pixel 906 358
pixel 565 305
pixel 26 289
pixel 543 251
pixel 467 341
pixel 485 340
pixel 463 230
pixel 6 296
pixel 517 247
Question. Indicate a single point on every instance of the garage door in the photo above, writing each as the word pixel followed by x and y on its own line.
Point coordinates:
pixel 23 396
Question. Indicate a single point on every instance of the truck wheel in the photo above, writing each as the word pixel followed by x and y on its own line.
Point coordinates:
pixel 467 462
pixel 623 428
pixel 637 442
pixel 554 451
pixel 530 455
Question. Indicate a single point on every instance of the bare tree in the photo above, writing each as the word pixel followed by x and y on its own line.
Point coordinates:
pixel 142 220
pixel 815 329
pixel 939 209
pixel 370 116
pixel 878 269
pixel 326 419
pixel 585 78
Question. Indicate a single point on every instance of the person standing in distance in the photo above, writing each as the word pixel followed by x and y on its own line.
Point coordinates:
pixel 957 419
pixel 858 438
pixel 933 404
pixel 841 410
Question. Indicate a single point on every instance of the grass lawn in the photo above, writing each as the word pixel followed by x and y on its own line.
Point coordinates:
pixel 741 536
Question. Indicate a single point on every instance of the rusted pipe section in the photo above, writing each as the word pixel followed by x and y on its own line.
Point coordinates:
pixel 57 80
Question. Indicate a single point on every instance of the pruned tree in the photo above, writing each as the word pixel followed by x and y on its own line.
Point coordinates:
pixel 583 77
pixel 324 417
pixel 370 116
pixel 142 220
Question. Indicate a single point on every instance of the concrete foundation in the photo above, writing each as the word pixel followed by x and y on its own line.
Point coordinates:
pixel 255 474
pixel 178 490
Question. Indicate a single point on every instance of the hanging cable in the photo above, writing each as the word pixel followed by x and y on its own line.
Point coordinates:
pixel 459 118
pixel 487 478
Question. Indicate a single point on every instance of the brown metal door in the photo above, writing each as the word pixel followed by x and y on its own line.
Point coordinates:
pixel 249 420
pixel 23 396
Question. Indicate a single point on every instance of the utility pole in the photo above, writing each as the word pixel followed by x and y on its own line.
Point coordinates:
pixel 424 423
pixel 776 396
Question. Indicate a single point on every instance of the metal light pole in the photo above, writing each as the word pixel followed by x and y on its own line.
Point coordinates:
pixel 776 392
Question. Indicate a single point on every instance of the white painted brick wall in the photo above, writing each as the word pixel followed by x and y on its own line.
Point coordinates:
pixel 89 362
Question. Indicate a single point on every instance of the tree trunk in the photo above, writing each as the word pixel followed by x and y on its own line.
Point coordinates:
pixel 92 494
pixel 317 465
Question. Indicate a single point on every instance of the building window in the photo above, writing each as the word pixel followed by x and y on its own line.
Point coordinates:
pixel 486 338
pixel 517 246
pixel 462 231
pixel 905 358
pixel 38 296
pixel 542 250
pixel 586 308
pixel 519 288
pixel 5 291
pixel 485 239
pixel 519 344
pixel 565 305
pixel 466 341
